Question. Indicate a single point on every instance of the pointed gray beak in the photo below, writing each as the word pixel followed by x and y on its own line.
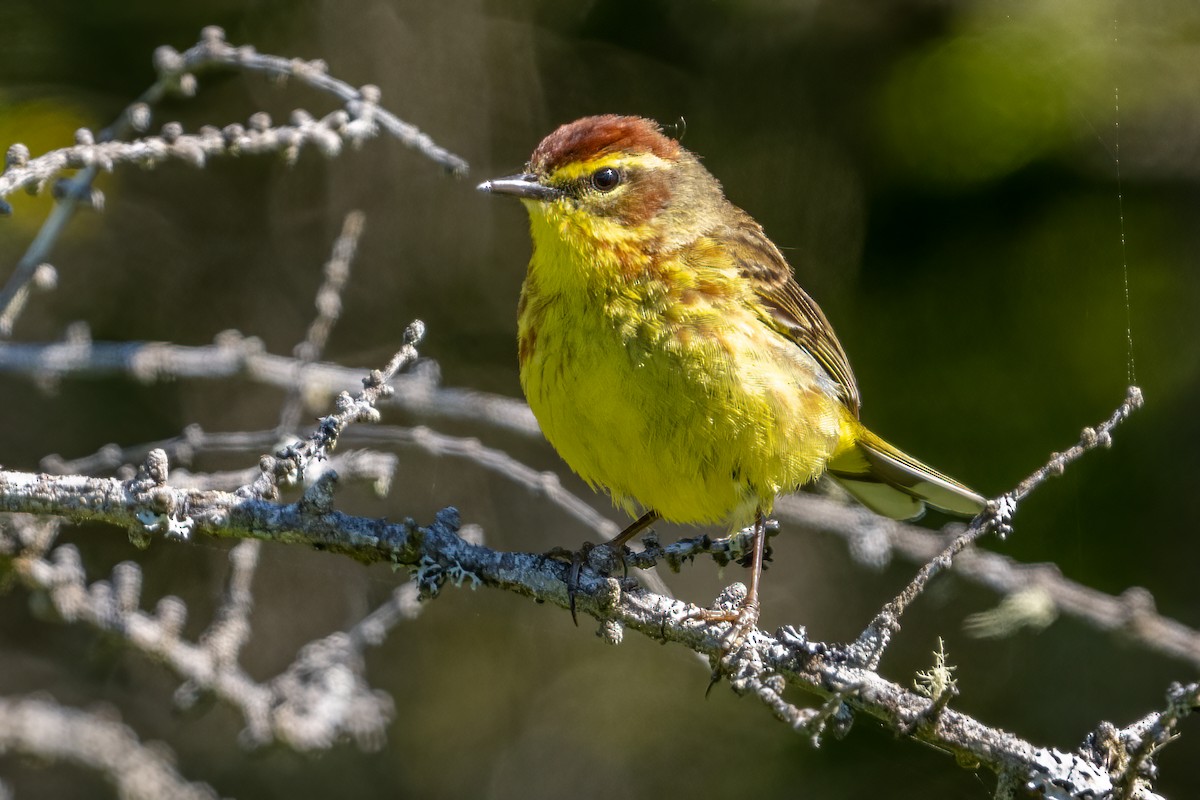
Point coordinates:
pixel 524 186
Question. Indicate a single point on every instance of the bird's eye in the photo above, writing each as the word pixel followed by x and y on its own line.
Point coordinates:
pixel 606 179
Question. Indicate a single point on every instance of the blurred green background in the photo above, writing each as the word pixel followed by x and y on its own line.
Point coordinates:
pixel 944 179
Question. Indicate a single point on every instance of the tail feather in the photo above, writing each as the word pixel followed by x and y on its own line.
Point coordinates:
pixel 894 484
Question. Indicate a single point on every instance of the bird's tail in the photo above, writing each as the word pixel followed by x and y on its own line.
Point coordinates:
pixel 894 484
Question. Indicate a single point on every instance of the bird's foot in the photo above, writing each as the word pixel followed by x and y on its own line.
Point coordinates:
pixel 584 555
pixel 736 607
pixel 742 612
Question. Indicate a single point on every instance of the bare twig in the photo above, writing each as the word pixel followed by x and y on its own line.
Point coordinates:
pixel 234 355
pixel 212 51
pixel 360 118
pixel 280 709
pixel 329 308
pixel 370 467
pixel 874 640
pixel 229 630
pixel 873 540
pixel 289 464
pixel 402 605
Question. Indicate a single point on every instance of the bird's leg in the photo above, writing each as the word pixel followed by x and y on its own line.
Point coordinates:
pixel 636 527
pixel 756 566
pixel 744 618
pixel 577 557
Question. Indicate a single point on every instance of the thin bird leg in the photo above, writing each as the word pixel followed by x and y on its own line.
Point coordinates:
pixel 617 543
pixel 636 527
pixel 756 566
pixel 745 617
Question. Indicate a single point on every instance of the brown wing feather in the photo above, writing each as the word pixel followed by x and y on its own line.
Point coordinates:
pixel 792 311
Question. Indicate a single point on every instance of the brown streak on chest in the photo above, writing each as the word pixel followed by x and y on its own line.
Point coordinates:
pixel 526 346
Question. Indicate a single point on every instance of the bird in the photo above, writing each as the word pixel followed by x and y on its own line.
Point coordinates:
pixel 670 356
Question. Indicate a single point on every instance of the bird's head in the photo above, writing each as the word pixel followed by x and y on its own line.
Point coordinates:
pixel 614 182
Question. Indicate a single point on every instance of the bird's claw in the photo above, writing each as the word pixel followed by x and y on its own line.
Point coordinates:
pixel 576 559
pixel 743 617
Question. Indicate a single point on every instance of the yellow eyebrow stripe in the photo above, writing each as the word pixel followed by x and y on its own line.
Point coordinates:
pixel 579 169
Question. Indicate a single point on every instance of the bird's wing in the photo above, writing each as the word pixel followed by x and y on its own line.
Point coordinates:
pixel 792 312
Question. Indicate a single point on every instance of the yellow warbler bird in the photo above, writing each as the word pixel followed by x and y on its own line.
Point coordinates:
pixel 669 354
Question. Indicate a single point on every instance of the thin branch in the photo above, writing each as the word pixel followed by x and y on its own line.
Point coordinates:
pixel 230 627
pixel 236 356
pixel 360 118
pixel 329 308
pixel 542 484
pixel 375 469
pixel 280 709
pixel 873 540
pixel 403 605
pixel 998 517
pixel 212 51
pixel 289 464
pixel 229 630
pixel 368 465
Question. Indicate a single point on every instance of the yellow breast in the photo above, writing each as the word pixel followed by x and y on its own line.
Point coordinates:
pixel 659 381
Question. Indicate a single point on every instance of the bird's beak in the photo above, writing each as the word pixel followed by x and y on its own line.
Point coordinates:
pixel 524 186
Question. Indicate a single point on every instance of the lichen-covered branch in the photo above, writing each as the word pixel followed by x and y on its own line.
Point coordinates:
pixel 436 554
